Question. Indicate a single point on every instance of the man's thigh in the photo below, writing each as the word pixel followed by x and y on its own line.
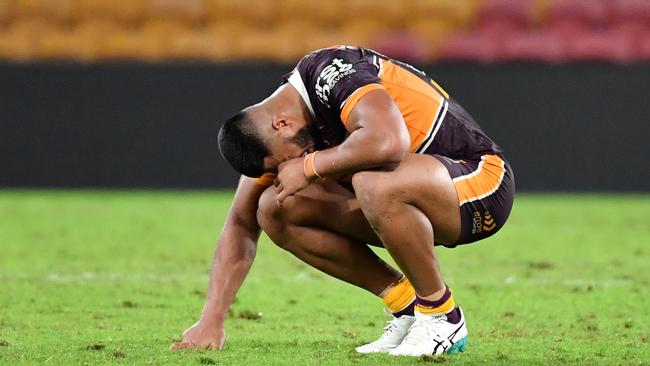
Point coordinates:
pixel 327 205
pixel 421 181
pixel 485 189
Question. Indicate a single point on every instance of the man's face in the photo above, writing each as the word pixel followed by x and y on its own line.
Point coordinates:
pixel 288 144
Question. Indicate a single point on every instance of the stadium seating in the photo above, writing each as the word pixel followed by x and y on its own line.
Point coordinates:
pixel 324 14
pixel 407 47
pixel 459 13
pixel 125 12
pixel 534 46
pixel 504 17
pixel 432 32
pixel 576 17
pixel 5 11
pixel 252 12
pixel 16 46
pixel 644 49
pixel 630 16
pixel 59 11
pixel 602 46
pixel 470 47
pixel 284 30
pixel 196 45
pixel 189 12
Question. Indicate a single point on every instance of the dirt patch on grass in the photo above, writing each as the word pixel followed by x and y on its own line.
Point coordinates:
pixel 118 354
pixel 207 361
pixel 129 304
pixel 95 346
pixel 198 293
pixel 249 315
pixel 502 356
pixel 541 265
pixel 580 289
pixel 593 327
pixel 515 334
pixel 434 359
pixel 475 288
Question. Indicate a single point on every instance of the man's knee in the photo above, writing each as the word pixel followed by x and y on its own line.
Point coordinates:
pixel 268 212
pixel 274 219
pixel 375 191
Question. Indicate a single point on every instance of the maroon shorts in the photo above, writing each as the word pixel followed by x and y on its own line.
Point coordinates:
pixel 486 191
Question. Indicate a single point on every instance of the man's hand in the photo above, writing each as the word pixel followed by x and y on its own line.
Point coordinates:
pixel 202 336
pixel 291 179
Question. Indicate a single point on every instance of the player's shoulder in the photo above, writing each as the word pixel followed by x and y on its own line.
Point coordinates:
pixel 324 57
pixel 334 51
pixel 329 75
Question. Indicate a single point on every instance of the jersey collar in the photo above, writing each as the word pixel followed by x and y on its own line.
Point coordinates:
pixel 296 81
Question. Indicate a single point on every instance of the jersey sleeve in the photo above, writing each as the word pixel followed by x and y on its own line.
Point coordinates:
pixel 341 76
pixel 266 179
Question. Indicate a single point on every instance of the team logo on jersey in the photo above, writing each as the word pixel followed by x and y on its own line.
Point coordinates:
pixel 483 223
pixel 331 75
pixel 477 223
pixel 488 222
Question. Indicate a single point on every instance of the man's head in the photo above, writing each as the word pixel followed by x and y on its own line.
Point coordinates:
pixel 261 137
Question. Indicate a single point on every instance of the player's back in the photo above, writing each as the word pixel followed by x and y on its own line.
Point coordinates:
pixel 333 80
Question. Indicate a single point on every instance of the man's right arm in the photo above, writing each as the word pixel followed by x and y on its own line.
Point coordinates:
pixel 232 261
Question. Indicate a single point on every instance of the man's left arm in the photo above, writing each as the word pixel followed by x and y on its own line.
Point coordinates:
pixel 378 137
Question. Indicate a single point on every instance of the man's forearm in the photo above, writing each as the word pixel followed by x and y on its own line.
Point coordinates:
pixel 232 261
pixel 378 137
pixel 363 150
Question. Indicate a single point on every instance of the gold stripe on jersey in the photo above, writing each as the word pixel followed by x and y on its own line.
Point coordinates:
pixel 423 105
pixel 482 182
pixel 440 89
pixel 353 99
pixel 420 103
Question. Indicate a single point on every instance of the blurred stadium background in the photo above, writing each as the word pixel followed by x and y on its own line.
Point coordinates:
pixel 283 30
pixel 130 94
pixel 103 93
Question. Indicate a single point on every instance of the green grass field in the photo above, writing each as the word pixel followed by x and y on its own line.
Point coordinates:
pixel 114 277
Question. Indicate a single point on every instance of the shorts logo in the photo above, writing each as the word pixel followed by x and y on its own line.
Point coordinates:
pixel 477 226
pixel 331 75
pixel 483 223
pixel 488 222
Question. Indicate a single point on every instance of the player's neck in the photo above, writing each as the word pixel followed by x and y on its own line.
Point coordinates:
pixel 286 100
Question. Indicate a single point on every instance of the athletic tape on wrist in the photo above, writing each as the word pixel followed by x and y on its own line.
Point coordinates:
pixel 309 165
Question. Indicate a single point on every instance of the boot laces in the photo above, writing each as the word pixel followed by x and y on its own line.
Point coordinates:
pixel 424 329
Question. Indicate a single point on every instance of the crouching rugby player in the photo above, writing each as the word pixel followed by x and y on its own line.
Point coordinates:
pixel 356 149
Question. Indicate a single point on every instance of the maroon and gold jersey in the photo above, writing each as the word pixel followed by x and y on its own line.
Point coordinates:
pixel 331 81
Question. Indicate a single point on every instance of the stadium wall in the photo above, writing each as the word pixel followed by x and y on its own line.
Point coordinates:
pixel 564 128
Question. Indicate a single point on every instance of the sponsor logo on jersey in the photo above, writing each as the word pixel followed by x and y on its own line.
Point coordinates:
pixel 477 223
pixel 488 222
pixel 483 223
pixel 331 75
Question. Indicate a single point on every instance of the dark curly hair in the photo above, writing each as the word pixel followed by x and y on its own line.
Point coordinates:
pixel 241 145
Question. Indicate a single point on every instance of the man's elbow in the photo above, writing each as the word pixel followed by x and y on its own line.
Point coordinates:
pixel 393 150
